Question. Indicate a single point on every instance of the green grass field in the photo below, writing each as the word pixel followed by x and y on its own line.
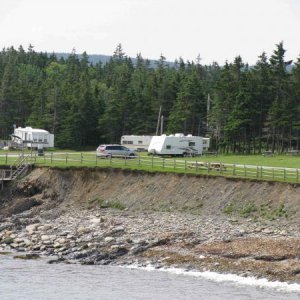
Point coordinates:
pixel 272 168
pixel 284 161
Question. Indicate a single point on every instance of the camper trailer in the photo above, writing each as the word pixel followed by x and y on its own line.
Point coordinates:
pixel 33 138
pixel 136 142
pixel 176 145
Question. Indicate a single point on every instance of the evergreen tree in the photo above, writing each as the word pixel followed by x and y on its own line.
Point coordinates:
pixel 280 113
pixel 188 114
pixel 8 95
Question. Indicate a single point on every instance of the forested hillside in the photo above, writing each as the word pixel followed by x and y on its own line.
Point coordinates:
pixel 251 109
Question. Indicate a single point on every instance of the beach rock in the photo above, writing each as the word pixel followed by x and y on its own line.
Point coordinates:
pixel 109 239
pixel 32 228
pixel 117 229
pixel 95 221
pixel 83 230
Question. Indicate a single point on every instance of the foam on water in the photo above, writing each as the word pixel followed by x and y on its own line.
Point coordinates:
pixel 217 277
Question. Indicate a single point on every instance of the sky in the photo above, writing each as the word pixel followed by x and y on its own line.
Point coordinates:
pixel 217 30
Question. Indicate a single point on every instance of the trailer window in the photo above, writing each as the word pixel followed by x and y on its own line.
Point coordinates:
pixel 191 144
pixel 204 142
pixel 140 142
pixel 168 146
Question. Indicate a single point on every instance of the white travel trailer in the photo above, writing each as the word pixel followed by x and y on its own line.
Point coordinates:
pixel 136 142
pixel 33 138
pixel 176 145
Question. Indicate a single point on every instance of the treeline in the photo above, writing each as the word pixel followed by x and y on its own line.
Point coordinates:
pixel 244 109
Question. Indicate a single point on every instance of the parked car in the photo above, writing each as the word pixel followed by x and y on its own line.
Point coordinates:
pixel 115 150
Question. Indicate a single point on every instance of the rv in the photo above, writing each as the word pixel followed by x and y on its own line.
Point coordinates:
pixel 136 142
pixel 33 138
pixel 176 145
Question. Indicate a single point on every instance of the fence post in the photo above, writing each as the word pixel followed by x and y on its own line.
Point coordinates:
pixel 233 170
pixel 81 157
pixel 174 164
pixel 163 163
pixel 284 174
pixel 6 158
pixel 66 157
pixel 245 171
pixel 152 161
pixel 125 161
pixel 273 173
pixel 261 172
pixel 51 157
pixel 139 161
pixel 208 168
pixel 256 171
pixel 196 167
pixel 297 175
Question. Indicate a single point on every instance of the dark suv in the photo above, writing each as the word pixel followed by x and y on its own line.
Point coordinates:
pixel 115 150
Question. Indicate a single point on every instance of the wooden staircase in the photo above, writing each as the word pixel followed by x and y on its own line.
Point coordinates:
pixel 20 166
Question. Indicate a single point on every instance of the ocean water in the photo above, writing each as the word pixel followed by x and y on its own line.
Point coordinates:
pixel 35 279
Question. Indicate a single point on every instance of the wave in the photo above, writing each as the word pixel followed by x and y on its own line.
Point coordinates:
pixel 218 277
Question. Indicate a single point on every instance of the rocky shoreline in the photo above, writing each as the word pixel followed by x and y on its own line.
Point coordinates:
pixel 113 217
pixel 110 236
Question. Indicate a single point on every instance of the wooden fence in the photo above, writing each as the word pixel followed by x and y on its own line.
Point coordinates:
pixel 191 165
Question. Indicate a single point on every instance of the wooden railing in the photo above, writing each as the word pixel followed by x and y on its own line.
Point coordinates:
pixel 18 167
pixel 180 165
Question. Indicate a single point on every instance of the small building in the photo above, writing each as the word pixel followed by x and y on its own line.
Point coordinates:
pixel 136 142
pixel 33 138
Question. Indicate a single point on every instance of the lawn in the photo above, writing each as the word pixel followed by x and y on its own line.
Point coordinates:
pixel 274 168
pixel 89 158
pixel 284 161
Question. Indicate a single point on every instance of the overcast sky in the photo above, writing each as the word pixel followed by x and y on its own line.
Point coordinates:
pixel 218 30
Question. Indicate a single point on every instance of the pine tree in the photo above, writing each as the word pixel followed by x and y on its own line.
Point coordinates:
pixel 281 111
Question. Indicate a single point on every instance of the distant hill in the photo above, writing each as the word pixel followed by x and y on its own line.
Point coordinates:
pixel 93 58
pixel 96 58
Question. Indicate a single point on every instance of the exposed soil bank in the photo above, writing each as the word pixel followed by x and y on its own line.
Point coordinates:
pixel 113 216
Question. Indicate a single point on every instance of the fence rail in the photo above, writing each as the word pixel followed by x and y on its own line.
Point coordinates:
pixel 195 166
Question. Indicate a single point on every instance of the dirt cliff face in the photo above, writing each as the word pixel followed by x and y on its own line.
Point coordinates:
pixel 141 191
pixel 108 216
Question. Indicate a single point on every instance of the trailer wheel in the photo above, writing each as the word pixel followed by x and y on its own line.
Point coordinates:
pixel 184 154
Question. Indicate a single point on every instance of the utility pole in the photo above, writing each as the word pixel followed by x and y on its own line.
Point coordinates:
pixel 207 111
pixel 158 120
pixel 161 125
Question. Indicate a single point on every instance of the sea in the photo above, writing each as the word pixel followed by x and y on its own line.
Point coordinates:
pixel 36 279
